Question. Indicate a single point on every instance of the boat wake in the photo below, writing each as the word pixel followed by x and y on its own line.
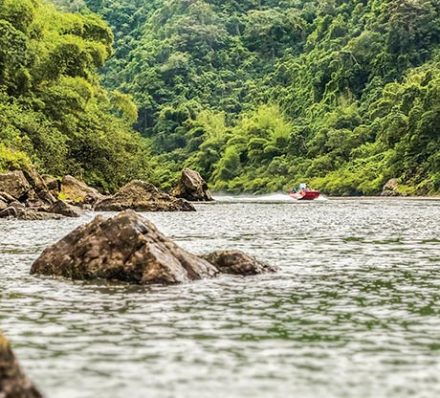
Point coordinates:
pixel 269 198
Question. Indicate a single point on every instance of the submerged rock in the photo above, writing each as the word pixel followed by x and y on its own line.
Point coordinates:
pixel 192 187
pixel 126 247
pixel 78 192
pixel 13 383
pixel 142 196
pixel 238 263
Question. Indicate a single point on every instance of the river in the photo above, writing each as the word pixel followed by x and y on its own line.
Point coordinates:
pixel 353 312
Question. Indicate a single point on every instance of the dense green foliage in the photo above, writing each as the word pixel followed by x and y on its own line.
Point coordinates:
pixel 262 94
pixel 53 112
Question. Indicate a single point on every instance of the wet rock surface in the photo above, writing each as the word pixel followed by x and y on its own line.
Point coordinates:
pixel 13 382
pixel 142 196
pixel 237 262
pixel 126 247
pixel 192 187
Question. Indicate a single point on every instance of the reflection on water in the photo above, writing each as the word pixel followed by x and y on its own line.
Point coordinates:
pixel 354 311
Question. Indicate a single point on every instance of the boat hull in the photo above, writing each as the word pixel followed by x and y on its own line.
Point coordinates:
pixel 306 195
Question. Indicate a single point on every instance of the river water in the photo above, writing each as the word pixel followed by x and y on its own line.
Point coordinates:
pixel 353 312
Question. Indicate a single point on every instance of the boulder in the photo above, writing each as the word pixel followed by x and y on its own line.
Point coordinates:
pixel 15 184
pixel 13 383
pixel 192 187
pixel 391 188
pixel 78 192
pixel 238 263
pixel 142 196
pixel 65 209
pixel 127 248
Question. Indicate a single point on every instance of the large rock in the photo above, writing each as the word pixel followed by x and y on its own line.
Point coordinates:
pixel 142 196
pixel 126 247
pixel 13 383
pixel 78 192
pixel 129 248
pixel 192 187
pixel 237 263
pixel 16 185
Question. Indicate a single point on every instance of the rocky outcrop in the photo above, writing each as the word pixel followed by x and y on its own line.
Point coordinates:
pixel 391 188
pixel 13 383
pixel 142 196
pixel 237 263
pixel 192 187
pixel 126 247
pixel 76 191
pixel 25 195
pixel 129 248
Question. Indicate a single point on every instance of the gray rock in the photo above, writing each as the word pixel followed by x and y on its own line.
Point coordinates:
pixel 142 196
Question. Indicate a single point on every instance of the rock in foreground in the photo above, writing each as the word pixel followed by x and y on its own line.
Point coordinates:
pixel 126 247
pixel 129 248
pixel 13 383
pixel 141 196
pixel 192 187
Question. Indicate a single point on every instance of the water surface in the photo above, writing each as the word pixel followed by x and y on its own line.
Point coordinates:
pixel 354 311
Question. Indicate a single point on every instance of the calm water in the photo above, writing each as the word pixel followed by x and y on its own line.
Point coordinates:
pixel 354 311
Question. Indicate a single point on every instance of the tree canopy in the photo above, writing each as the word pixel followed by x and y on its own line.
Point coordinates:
pixel 54 114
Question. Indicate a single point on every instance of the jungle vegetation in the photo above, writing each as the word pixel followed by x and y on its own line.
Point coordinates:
pixel 54 113
pixel 257 95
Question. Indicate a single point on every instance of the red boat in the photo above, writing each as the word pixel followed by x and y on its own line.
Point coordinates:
pixel 304 193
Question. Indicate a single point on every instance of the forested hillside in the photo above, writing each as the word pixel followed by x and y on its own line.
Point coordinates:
pixel 260 94
pixel 54 114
